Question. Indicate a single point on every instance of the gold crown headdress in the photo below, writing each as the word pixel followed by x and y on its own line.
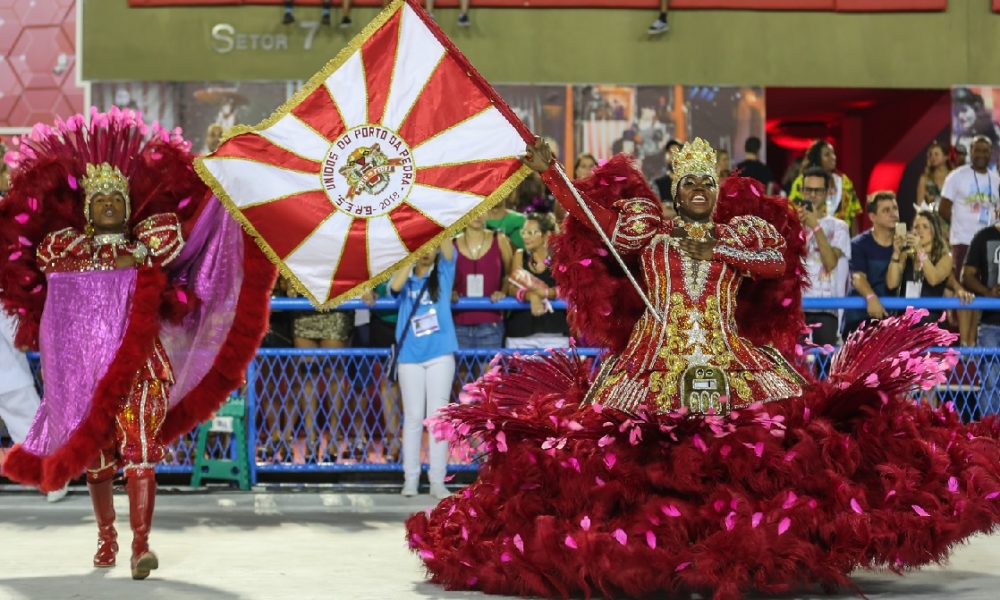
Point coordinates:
pixel 695 158
pixel 104 179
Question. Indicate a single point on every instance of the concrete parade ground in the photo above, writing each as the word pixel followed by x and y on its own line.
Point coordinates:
pixel 315 543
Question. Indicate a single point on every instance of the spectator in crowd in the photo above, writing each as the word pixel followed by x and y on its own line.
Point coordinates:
pixel 382 334
pixel 828 250
pixel 932 179
pixel 533 196
pixel 921 264
pixel 531 281
pixel 505 219
pixel 660 25
pixel 723 164
pixel 584 166
pixel 957 156
pixel 752 165
pixel 791 173
pixel 345 20
pixel 980 277
pixel 969 199
pixel 630 139
pixel 314 330
pixel 843 202
pixel 426 358
pixel 481 269
pixel 664 181
pixel 871 253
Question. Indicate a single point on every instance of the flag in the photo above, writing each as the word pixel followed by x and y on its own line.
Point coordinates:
pixel 391 148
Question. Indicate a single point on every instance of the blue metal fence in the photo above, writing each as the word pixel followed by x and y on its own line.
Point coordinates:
pixel 333 410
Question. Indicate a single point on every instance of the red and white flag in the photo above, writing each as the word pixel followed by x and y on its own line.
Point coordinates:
pixel 386 151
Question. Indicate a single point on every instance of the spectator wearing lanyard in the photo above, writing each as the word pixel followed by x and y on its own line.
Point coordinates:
pixel 968 202
pixel 481 269
pixel 921 263
pixel 426 359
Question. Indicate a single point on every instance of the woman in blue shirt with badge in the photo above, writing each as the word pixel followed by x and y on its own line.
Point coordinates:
pixel 427 345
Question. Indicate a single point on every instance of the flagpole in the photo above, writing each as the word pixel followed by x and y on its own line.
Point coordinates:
pixel 607 242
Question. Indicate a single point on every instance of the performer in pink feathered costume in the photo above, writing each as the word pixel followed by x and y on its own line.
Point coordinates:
pixel 703 456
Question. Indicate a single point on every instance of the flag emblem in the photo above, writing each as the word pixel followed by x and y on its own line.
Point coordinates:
pixel 391 148
pixel 370 183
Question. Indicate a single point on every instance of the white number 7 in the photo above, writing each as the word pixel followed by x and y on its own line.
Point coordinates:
pixel 311 28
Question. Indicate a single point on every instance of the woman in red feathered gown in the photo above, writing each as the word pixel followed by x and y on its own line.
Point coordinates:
pixel 699 458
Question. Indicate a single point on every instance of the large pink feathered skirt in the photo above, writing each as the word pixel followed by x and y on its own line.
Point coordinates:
pixel 585 500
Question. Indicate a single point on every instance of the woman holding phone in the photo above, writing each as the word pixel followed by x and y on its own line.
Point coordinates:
pixel 921 265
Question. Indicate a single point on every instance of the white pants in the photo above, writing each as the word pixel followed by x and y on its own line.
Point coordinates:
pixel 17 410
pixel 425 388
pixel 540 341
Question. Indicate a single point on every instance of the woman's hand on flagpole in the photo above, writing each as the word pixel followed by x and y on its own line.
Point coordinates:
pixel 538 156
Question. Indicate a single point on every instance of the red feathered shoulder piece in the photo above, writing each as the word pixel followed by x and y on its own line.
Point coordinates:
pixel 604 305
pixel 778 299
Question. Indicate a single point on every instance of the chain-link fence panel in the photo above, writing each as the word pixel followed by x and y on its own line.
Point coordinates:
pixel 336 410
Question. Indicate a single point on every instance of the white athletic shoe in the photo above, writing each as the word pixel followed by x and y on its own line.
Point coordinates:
pixel 57 495
pixel 409 490
pixel 659 26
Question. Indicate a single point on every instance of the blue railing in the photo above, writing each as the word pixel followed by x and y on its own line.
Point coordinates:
pixel 848 302
pixel 332 410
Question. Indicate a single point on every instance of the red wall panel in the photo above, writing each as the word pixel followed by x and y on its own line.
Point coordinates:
pixel 828 5
pixel 891 5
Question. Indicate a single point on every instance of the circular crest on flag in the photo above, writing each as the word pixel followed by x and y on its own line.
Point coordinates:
pixel 368 171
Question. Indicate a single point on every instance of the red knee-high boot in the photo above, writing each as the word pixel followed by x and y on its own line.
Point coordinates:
pixel 141 496
pixel 99 483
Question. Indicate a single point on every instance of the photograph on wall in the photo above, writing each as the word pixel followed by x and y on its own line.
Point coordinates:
pixel 604 118
pixel 543 109
pixel 640 120
pixel 975 110
pixel 203 110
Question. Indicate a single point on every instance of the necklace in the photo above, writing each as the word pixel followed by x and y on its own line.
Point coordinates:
pixel 695 230
pixel 475 254
pixel 989 186
pixel 104 239
pixel 533 262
